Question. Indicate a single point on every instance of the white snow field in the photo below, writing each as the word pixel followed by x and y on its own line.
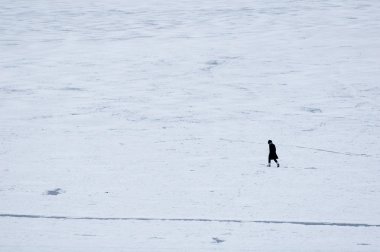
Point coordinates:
pixel 143 125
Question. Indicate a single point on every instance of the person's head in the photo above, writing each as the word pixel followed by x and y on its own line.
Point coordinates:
pixel 269 141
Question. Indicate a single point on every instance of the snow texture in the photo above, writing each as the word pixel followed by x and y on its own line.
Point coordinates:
pixel 143 125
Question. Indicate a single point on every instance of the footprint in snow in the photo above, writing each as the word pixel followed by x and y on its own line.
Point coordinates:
pixel 55 192
pixel 217 240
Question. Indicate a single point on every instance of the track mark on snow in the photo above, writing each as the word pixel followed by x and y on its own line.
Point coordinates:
pixel 335 152
pixel 305 223
pixel 55 192
pixel 303 147
pixel 217 240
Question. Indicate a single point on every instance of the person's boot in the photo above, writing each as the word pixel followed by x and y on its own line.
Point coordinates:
pixel 268 165
pixel 278 164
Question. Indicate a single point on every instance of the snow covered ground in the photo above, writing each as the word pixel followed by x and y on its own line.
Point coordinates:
pixel 143 125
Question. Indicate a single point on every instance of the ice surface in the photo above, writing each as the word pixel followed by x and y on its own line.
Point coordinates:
pixel 147 114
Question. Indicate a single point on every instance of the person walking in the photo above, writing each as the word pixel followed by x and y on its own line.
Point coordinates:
pixel 272 153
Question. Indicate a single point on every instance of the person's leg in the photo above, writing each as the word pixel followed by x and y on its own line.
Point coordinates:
pixel 275 160
pixel 268 161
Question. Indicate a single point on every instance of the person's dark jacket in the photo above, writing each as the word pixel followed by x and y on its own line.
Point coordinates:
pixel 272 151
